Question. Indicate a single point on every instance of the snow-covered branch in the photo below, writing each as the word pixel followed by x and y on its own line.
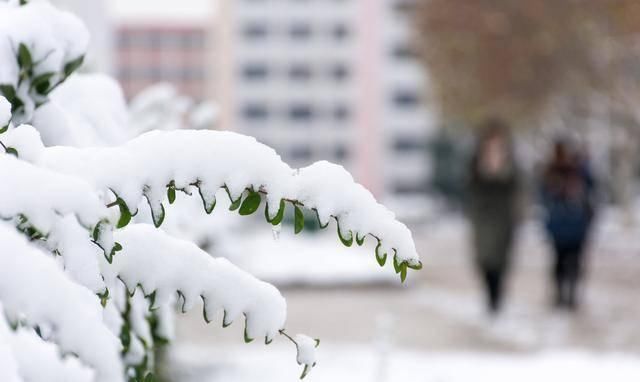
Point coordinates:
pixel 163 266
pixel 155 165
pixel 34 289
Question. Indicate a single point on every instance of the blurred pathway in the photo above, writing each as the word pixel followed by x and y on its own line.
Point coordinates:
pixel 435 328
pixel 442 308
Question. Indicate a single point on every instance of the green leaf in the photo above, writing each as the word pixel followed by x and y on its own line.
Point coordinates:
pixel 9 92
pixel 323 226
pixel 125 213
pixel 171 193
pixel 95 234
pixel 381 258
pixel 250 204
pixel 279 216
pixel 157 220
pixel 298 220
pixel 72 65
pixel 247 339
pixel 104 297
pixel 306 371
pixel 396 265
pixel 24 57
pixel 208 203
pixel 12 151
pixel 235 205
pixel 346 241
pixel 403 272
pixel 360 240
pixel 4 129
pixel 225 323
pixel 42 82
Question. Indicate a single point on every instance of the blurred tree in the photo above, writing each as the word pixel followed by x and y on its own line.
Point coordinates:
pixel 510 59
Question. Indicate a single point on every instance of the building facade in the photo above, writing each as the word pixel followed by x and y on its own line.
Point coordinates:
pixel 147 54
pixel 326 79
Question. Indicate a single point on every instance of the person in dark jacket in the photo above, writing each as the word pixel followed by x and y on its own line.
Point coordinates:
pixel 493 208
pixel 568 198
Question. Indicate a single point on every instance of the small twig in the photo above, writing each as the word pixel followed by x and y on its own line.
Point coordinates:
pixel 288 336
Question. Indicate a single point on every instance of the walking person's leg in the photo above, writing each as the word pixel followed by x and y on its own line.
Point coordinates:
pixel 574 273
pixel 494 289
pixel 560 276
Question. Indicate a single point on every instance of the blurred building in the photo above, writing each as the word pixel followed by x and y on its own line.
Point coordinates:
pixel 408 122
pixel 162 41
pixel 326 79
pixel 96 17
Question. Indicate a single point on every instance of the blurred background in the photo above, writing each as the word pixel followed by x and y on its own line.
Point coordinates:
pixel 397 91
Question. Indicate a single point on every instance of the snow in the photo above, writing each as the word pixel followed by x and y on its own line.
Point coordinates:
pixel 165 265
pixel 357 363
pixel 8 363
pixel 79 255
pixel 26 140
pixel 306 348
pixel 45 195
pixel 5 112
pixel 316 259
pixel 85 110
pixel 158 107
pixel 53 38
pixel 216 159
pixel 31 350
pixel 73 312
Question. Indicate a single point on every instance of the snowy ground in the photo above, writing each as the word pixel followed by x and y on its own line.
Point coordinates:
pixel 434 328
pixel 362 364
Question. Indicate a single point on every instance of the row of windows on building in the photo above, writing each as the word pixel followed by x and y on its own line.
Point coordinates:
pixel 159 39
pixel 160 73
pixel 300 31
pixel 308 112
pixel 296 112
pixel 256 71
pixel 305 153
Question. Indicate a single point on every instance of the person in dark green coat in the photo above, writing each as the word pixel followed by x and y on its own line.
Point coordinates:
pixel 493 208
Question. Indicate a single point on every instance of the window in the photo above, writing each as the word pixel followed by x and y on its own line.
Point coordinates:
pixel 301 112
pixel 301 153
pixel 409 187
pixel 255 31
pixel 409 144
pixel 406 99
pixel 341 153
pixel 300 31
pixel 255 71
pixel 300 72
pixel 341 113
pixel 193 40
pixel 340 31
pixel 255 112
pixel 339 72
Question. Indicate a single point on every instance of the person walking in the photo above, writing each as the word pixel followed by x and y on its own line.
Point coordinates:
pixel 493 208
pixel 568 198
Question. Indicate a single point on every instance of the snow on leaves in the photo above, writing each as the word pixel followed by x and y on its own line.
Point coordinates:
pixel 157 164
pixel 161 266
pixel 46 46
pixel 73 313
